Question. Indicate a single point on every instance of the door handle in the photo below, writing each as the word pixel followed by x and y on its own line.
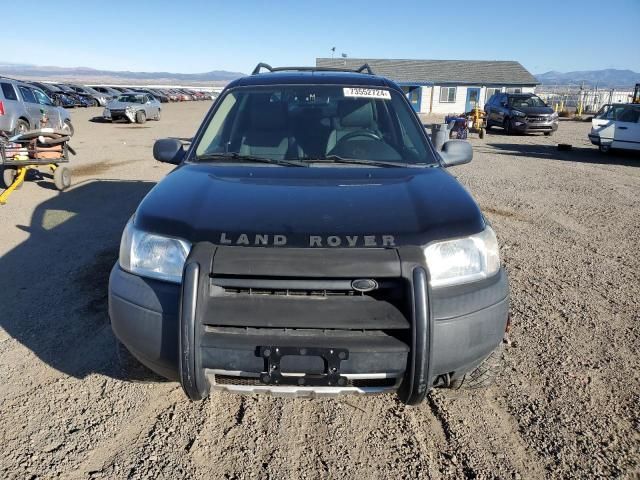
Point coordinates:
pixel 622 128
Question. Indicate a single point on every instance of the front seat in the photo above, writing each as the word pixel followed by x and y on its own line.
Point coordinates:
pixel 267 135
pixel 353 116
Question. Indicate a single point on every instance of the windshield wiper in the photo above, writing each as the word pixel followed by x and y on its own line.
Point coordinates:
pixel 249 158
pixel 357 161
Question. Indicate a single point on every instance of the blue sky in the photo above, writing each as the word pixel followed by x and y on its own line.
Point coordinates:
pixel 198 36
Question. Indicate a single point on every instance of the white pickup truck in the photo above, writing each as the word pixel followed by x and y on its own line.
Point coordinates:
pixel 616 125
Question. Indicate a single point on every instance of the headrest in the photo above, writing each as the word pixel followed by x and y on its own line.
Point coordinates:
pixel 266 115
pixel 355 113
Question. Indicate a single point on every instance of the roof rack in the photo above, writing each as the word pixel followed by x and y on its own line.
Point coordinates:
pixel 363 69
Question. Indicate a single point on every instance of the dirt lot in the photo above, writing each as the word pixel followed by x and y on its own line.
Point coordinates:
pixel 567 404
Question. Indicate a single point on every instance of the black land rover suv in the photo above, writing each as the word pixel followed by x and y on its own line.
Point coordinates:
pixel 520 113
pixel 311 242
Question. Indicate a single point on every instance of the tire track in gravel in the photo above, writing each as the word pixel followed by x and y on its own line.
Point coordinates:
pixel 484 436
pixel 102 459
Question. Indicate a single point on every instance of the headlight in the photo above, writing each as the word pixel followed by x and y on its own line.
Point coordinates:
pixel 518 113
pixel 154 256
pixel 554 116
pixel 463 260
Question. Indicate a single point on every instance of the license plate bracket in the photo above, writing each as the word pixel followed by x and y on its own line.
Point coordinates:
pixel 330 378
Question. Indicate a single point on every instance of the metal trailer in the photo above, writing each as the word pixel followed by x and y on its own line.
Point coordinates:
pixel 15 167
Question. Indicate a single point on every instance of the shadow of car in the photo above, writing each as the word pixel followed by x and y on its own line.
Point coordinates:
pixel 53 287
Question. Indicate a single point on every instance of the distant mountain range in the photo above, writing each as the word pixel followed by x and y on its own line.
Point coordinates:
pixel 609 77
pixel 603 78
pixel 91 75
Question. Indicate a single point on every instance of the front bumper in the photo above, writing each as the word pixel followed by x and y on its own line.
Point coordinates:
pixel 526 126
pixel 595 139
pixel 212 335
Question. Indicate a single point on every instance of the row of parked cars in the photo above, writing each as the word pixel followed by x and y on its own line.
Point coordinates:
pixel 24 105
pixel 70 95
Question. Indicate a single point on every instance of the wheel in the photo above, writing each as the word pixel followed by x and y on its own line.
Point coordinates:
pixel 68 127
pixel 141 117
pixel 482 131
pixel 9 174
pixel 21 127
pixel 94 103
pixel 157 117
pixel 507 126
pixel 604 148
pixel 62 178
pixel 548 134
pixel 484 375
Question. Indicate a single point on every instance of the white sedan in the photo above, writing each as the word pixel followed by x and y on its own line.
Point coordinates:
pixel 616 125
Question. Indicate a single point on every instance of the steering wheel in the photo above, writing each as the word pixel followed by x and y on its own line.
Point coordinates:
pixel 360 133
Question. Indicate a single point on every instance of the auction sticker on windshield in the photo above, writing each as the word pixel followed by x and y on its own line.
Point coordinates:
pixel 367 93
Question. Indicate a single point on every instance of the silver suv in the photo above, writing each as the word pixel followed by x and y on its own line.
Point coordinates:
pixel 22 107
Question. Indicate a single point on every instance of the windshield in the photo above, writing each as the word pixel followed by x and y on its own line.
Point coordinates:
pixel 526 102
pixel 622 113
pixel 315 122
pixel 131 99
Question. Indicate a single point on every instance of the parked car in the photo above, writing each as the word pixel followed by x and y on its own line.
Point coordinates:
pixel 164 96
pixel 22 107
pixel 184 95
pixel 100 98
pixel 174 95
pixel 107 91
pixel 80 99
pixel 520 113
pixel 157 95
pixel 124 89
pixel 616 125
pixel 310 242
pixel 58 97
pixel 135 107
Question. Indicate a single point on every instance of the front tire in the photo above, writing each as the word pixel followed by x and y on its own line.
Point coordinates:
pixel 157 117
pixel 604 148
pixel 548 134
pixel 484 375
pixel 506 125
pixel 141 117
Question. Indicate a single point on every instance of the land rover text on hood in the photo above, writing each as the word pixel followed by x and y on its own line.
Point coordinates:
pixel 311 242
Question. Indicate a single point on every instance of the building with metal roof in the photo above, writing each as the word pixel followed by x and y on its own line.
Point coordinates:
pixel 446 86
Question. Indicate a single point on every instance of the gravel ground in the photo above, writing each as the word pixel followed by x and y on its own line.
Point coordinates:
pixel 73 406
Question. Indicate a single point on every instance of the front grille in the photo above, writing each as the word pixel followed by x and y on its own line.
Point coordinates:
pixel 537 119
pixel 322 303
pixel 295 287
pixel 291 292
pixel 255 382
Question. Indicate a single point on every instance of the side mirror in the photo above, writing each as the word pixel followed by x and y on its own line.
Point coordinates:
pixel 168 150
pixel 456 152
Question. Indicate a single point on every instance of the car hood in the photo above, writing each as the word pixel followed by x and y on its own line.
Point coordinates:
pixel 291 206
pixel 535 110
pixel 114 104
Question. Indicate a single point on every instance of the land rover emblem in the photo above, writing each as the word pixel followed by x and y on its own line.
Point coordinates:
pixel 364 284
